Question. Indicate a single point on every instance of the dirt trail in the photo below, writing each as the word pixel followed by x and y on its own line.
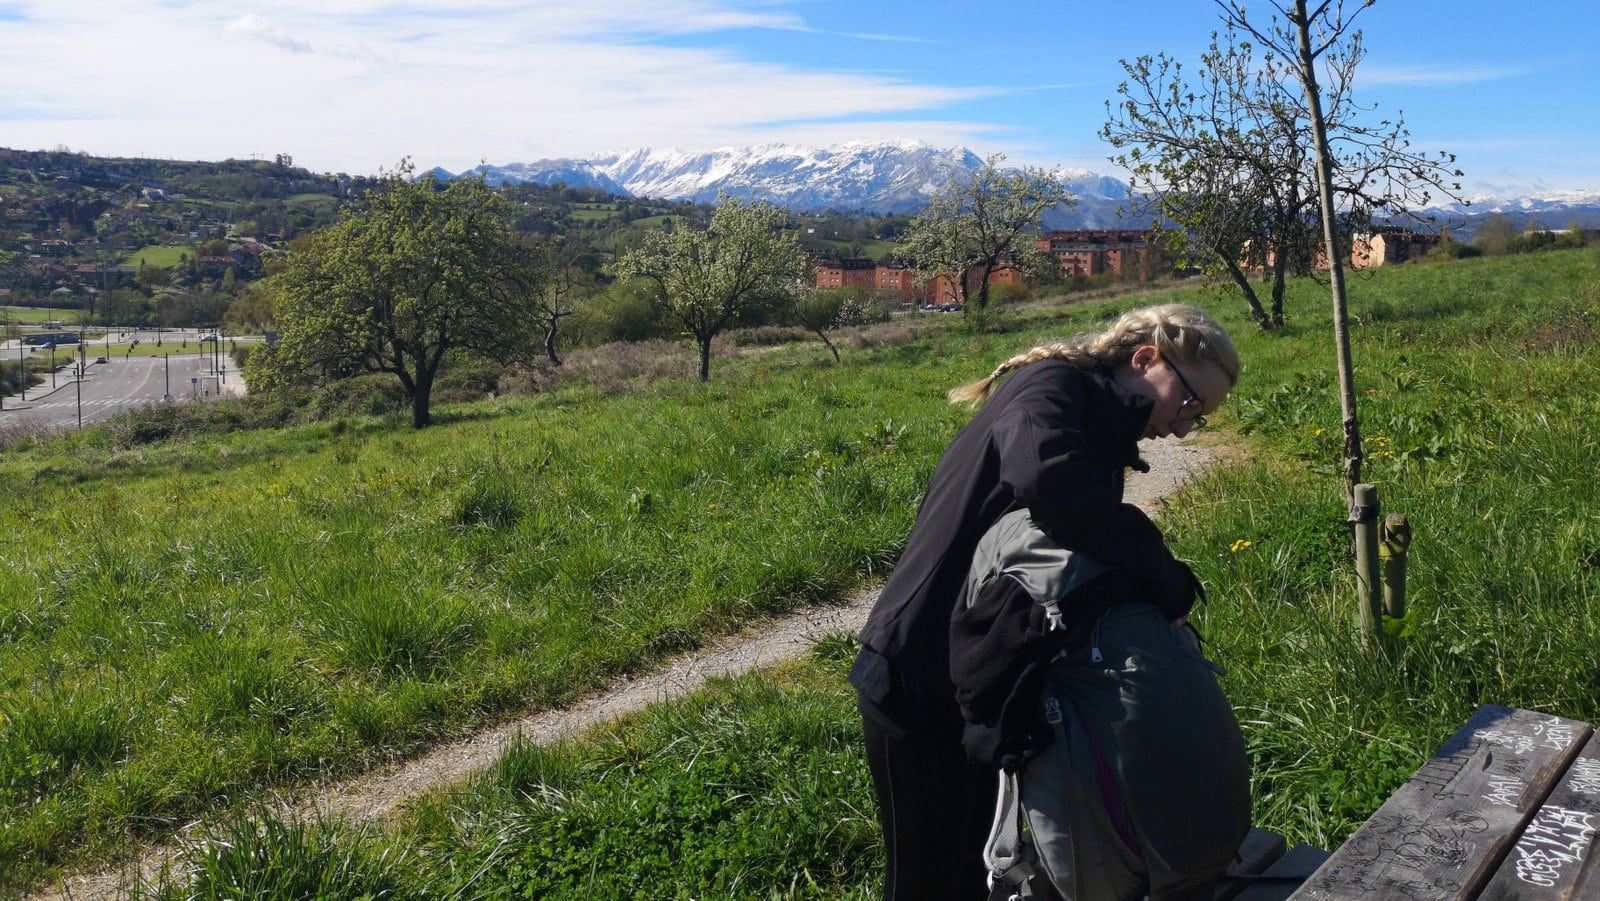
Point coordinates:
pixel 381 792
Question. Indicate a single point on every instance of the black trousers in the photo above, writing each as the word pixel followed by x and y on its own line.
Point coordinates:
pixel 935 808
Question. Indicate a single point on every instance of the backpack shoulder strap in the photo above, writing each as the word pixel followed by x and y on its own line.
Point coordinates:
pixel 1009 859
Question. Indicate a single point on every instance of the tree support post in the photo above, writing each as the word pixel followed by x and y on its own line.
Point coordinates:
pixel 1369 585
pixel 1394 537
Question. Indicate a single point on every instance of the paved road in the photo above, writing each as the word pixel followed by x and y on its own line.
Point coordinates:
pixel 119 385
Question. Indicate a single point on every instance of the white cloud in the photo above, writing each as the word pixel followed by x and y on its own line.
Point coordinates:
pixel 252 25
pixel 354 85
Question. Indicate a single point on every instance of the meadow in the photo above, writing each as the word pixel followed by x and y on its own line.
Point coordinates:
pixel 38 316
pixel 190 624
pixel 162 256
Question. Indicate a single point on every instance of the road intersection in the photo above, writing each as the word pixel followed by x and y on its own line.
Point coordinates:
pixel 85 391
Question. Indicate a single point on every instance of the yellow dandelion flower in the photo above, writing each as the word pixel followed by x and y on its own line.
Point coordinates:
pixel 1241 545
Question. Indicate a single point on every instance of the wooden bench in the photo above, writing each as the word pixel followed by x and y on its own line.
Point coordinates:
pixel 1508 808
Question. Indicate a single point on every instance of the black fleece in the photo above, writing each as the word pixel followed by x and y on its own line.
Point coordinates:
pixel 1053 438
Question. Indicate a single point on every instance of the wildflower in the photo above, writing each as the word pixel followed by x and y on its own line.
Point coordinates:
pixel 1318 433
pixel 1242 544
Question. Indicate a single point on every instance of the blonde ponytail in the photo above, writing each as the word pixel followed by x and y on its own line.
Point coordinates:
pixel 1180 332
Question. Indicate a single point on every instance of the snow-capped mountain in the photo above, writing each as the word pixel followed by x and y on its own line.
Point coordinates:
pixel 900 176
pixel 869 176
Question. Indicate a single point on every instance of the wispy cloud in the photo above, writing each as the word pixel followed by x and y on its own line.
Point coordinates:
pixel 888 38
pixel 1434 76
pixel 253 26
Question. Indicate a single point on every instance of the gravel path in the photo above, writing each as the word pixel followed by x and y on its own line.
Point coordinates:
pixel 381 792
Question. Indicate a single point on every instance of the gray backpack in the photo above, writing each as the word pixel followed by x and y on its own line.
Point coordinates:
pixel 1144 790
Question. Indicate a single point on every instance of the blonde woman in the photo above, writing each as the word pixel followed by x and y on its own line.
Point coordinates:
pixel 1056 429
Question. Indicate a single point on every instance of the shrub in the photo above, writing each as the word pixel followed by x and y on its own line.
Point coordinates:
pixel 1006 293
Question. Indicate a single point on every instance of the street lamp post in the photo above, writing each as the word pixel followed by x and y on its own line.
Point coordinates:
pixel 52 366
pixel 22 363
pixel 166 376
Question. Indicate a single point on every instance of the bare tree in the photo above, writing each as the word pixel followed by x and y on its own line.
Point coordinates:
pixel 1360 170
pixel 567 267
pixel 1230 162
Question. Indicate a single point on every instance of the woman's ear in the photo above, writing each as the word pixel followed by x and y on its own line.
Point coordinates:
pixel 1143 358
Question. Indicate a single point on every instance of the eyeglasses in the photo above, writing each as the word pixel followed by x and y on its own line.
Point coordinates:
pixel 1190 409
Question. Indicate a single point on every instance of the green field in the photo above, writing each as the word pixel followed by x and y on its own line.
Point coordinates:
pixel 41 315
pixel 164 256
pixel 190 624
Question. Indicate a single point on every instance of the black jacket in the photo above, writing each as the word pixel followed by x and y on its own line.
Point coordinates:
pixel 1053 438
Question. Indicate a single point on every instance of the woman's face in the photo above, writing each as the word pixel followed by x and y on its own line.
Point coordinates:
pixel 1179 407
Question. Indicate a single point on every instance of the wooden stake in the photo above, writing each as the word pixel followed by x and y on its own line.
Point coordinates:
pixel 1394 537
pixel 1369 592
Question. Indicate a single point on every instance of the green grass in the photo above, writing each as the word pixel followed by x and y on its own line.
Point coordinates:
pixel 314 201
pixel 871 250
pixel 594 213
pixel 162 256
pixel 187 624
pixel 269 606
pixel 40 315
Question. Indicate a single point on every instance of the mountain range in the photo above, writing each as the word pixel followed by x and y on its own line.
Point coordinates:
pixel 862 176
pixel 900 177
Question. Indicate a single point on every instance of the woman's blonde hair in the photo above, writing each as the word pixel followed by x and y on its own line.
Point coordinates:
pixel 1180 333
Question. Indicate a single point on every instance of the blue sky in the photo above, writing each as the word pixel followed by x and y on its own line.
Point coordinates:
pixel 356 85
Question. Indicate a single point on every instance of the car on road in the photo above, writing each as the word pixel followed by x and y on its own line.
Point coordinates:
pixel 101 360
pixel 208 337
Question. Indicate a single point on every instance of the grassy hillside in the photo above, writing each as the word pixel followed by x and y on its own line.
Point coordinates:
pixel 186 624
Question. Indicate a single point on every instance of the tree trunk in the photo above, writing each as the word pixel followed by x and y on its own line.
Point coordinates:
pixel 1279 276
pixel 550 344
pixel 1330 238
pixel 421 393
pixel 829 344
pixel 705 358
pixel 1242 279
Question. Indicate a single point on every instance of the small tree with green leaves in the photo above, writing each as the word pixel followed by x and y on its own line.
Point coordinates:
pixel 705 279
pixel 422 271
pixel 980 224
pixel 829 309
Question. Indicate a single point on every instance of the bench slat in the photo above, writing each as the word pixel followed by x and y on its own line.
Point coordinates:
pixel 1443 833
pixel 1548 859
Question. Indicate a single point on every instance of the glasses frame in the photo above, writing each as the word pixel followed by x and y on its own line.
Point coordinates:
pixel 1192 402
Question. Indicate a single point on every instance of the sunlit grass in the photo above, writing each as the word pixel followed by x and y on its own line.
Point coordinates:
pixel 221 616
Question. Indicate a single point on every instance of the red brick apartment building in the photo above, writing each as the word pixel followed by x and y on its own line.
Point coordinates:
pixel 1120 252
pixel 893 278
pixel 860 273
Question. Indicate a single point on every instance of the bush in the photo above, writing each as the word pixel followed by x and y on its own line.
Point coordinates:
pixel 1006 293
pixel 463 381
pixel 621 313
pixel 1453 250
